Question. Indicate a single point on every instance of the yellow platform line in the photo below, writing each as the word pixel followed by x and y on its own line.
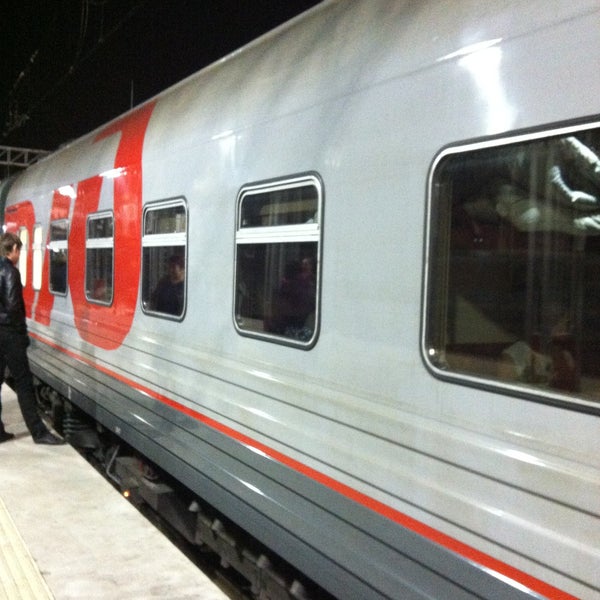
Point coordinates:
pixel 20 579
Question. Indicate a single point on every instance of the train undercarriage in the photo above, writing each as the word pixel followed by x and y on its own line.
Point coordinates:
pixel 241 565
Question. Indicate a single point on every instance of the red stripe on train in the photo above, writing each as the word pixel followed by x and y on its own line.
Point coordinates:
pixel 486 561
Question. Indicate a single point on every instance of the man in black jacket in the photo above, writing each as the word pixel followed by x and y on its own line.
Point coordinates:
pixel 14 341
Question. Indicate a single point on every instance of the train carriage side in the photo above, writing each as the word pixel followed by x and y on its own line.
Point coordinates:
pixel 328 436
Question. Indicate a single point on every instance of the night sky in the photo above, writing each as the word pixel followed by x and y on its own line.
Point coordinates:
pixel 68 66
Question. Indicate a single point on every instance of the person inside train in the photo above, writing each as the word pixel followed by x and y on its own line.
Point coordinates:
pixel 295 300
pixel 14 341
pixel 100 290
pixel 168 297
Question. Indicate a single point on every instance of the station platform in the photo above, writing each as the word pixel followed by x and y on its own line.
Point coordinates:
pixel 67 534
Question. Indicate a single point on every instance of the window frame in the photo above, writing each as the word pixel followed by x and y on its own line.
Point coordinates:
pixel 428 351
pixel 24 237
pixel 57 245
pixel 278 234
pixel 37 248
pixel 157 240
pixel 100 244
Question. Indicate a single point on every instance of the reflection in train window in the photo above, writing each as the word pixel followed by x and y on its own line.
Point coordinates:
pixel 99 251
pixel 514 264
pixel 59 254
pixel 164 259
pixel 277 260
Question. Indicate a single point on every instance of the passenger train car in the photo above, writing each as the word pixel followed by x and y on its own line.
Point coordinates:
pixel 343 285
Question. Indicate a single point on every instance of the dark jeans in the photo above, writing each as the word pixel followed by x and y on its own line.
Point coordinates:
pixel 13 353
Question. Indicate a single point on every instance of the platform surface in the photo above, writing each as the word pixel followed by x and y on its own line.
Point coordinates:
pixel 67 534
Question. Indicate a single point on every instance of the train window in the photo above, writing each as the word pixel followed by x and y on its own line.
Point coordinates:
pixel 277 260
pixel 59 253
pixel 99 252
pixel 164 244
pixel 38 256
pixel 24 237
pixel 513 285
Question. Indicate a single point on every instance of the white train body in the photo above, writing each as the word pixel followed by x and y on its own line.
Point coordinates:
pixel 357 451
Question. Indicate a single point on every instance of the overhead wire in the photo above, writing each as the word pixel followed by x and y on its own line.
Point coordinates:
pixel 79 59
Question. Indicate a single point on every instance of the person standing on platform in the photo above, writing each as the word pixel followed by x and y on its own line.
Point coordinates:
pixel 14 342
